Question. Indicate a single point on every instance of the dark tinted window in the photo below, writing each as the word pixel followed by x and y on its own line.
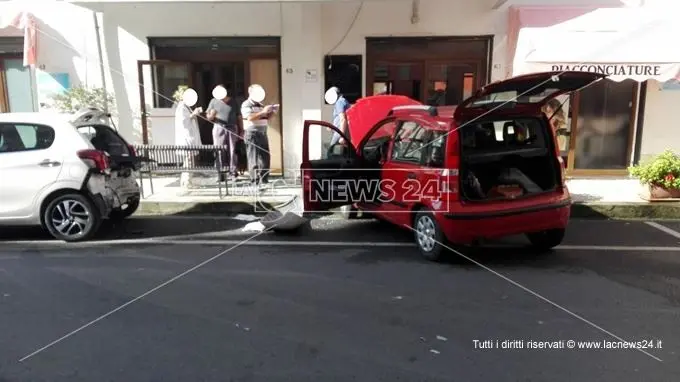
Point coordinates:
pixel 503 135
pixel 105 139
pixel 25 137
pixel 345 73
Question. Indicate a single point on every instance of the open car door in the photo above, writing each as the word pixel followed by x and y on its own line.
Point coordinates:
pixel 331 181
pixel 528 93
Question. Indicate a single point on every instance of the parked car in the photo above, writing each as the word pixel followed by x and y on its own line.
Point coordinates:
pixel 65 174
pixel 485 169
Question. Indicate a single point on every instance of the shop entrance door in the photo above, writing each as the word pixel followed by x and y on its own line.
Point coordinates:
pixel 602 128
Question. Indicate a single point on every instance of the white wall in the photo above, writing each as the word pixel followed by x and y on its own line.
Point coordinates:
pixel 660 129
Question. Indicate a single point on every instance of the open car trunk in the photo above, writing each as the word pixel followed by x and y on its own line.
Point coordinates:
pixel 508 159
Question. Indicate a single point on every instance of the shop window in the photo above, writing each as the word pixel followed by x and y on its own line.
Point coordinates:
pixel 344 71
pixel 168 78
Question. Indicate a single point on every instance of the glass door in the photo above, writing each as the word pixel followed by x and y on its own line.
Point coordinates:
pixel 604 127
pixel 158 81
pixel 448 83
pixel 16 86
pixel 399 78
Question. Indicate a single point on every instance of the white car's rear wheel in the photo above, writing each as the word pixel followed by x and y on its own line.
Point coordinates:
pixel 72 217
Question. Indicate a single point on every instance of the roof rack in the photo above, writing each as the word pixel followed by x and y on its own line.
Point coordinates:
pixel 432 110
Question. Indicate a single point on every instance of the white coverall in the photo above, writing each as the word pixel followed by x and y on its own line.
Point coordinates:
pixel 186 134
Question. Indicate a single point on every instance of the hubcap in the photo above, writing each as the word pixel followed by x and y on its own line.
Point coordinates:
pixel 70 217
pixel 425 231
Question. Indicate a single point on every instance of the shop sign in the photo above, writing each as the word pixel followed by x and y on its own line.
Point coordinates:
pixel 627 70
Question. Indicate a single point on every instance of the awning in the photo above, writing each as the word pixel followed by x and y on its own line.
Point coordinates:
pixel 623 43
pixel 22 23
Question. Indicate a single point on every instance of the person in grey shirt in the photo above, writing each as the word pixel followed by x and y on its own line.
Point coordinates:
pixel 225 131
pixel 255 124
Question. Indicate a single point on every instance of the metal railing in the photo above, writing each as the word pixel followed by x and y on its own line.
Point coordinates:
pixel 170 159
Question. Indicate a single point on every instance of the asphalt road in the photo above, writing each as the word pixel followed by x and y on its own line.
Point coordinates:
pixel 343 301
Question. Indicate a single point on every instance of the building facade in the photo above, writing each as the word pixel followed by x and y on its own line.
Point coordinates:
pixel 437 51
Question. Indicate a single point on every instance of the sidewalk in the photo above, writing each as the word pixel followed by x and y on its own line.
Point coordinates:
pixel 593 198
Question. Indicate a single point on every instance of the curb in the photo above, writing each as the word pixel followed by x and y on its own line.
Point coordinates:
pixel 203 208
pixel 632 211
pixel 590 210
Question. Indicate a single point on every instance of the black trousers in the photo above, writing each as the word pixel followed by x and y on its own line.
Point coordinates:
pixel 225 136
pixel 257 150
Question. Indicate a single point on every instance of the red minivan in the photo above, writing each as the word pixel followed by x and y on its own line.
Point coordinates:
pixel 488 168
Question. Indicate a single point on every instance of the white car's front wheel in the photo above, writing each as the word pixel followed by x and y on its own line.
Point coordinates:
pixel 72 217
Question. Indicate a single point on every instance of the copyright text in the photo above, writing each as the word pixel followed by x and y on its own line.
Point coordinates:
pixel 566 344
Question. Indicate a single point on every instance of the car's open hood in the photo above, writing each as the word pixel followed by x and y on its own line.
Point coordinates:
pixel 368 111
pixel 526 91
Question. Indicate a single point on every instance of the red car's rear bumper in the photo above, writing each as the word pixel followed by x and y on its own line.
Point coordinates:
pixel 465 228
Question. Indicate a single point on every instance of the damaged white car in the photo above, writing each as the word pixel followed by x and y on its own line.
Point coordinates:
pixel 65 173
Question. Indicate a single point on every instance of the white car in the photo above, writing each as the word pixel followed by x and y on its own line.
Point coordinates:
pixel 66 175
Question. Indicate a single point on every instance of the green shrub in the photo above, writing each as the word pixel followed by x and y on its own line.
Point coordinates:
pixel 662 170
pixel 79 97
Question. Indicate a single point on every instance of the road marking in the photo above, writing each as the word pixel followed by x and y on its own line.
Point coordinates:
pixel 664 229
pixel 174 241
pixel 301 243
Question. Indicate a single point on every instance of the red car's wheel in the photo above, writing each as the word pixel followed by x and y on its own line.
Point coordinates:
pixel 428 235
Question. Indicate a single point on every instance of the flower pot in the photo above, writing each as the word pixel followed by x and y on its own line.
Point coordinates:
pixel 658 192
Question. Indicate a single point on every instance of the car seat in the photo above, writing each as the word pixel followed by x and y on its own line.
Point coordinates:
pixel 11 142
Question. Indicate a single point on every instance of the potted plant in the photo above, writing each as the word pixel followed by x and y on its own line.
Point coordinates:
pixel 661 174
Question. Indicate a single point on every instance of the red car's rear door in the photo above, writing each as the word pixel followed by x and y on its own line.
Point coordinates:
pixel 526 93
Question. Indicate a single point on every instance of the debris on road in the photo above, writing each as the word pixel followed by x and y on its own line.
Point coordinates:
pixel 253 227
pixel 243 217
pixel 284 218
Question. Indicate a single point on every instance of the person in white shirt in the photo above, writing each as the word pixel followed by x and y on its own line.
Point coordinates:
pixel 186 130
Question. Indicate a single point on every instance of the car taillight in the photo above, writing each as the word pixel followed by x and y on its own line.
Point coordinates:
pixel 96 159
pixel 563 170
pixel 133 153
pixel 448 180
